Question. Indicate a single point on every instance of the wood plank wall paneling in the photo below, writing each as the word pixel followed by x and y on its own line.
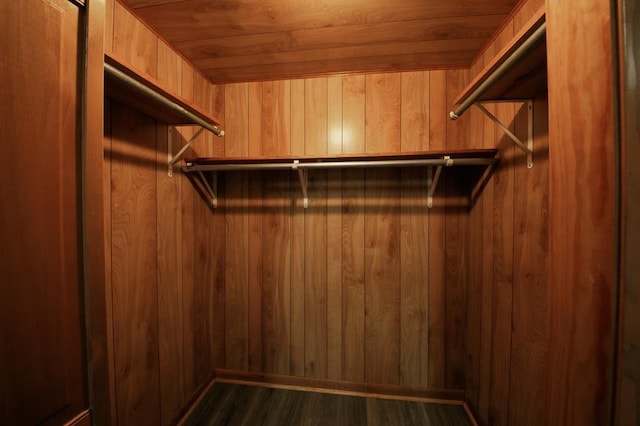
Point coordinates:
pixel 507 299
pixel 179 305
pixel 455 253
pixel 331 277
pixel 584 225
pixel 436 305
pixel 43 368
pixel 367 284
pixel 135 294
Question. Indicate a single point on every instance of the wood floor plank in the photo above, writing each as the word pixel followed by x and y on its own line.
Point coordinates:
pixel 235 404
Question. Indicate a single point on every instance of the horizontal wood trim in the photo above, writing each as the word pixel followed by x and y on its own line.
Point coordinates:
pixel 82 419
pixel 199 395
pixel 441 396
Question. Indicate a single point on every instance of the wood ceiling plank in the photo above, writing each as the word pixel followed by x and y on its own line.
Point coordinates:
pixel 336 37
pixel 180 21
pixel 430 60
pixel 393 49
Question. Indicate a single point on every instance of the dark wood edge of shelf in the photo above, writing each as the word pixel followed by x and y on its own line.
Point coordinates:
pixel 147 80
pixel 525 32
pixel 470 153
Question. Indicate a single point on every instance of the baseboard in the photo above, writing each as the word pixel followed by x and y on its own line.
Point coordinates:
pixel 440 396
pixel 82 419
pixel 199 394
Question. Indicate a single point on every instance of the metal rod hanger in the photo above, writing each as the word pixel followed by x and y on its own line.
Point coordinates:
pixel 158 97
pixel 297 165
pixel 521 51
pixel 302 169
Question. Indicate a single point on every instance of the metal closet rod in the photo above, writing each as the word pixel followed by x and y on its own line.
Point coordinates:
pixel 130 81
pixel 500 71
pixel 192 167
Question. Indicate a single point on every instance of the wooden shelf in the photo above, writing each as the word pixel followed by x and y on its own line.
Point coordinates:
pixel 145 94
pixel 301 165
pixel 525 76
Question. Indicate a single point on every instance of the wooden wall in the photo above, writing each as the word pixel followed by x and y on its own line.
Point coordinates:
pixel 354 287
pixel 584 220
pixel 507 287
pixel 365 285
pixel 43 374
pixel 157 260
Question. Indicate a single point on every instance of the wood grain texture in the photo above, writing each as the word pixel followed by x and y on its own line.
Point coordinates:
pixel 474 283
pixel 255 231
pixel 135 295
pixel 353 114
pixel 352 232
pixel 304 40
pixel 488 139
pixel 315 267
pixel 188 273
pixel 133 41
pixel 436 309
pixel 315 231
pixel 516 294
pixel 189 342
pixel 272 405
pixel 297 126
pixel 382 120
pixel 276 117
pixel 169 256
pixel 530 325
pixel 276 275
pixel 334 239
pixel 42 355
pixel 382 269
pixel 456 249
pixel 583 225
pixel 353 275
pixel 97 287
pixel 414 225
pixel 236 274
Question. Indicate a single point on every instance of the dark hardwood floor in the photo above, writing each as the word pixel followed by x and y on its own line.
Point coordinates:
pixel 232 404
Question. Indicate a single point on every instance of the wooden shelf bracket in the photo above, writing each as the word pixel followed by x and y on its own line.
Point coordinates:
pixel 528 148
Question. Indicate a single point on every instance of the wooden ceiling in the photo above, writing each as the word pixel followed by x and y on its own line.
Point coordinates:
pixel 248 40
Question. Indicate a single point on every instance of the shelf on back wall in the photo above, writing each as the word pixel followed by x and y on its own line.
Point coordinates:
pixel 302 165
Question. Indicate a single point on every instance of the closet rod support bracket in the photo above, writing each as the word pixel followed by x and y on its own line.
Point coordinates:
pixel 432 180
pixel 528 148
pixel 304 180
pixel 211 188
pixel 173 159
